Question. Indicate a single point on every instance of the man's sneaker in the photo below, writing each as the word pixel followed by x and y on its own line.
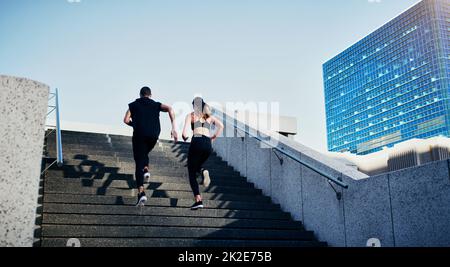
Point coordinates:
pixel 197 205
pixel 206 178
pixel 141 199
pixel 147 175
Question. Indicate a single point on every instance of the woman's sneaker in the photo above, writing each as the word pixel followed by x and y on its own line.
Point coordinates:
pixel 147 175
pixel 142 198
pixel 206 178
pixel 197 205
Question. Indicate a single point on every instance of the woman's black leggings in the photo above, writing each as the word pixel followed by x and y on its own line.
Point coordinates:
pixel 199 152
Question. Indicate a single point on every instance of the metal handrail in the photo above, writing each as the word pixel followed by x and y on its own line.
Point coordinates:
pixel 289 155
pixel 57 129
pixel 59 151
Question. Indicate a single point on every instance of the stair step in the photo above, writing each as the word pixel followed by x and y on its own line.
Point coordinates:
pixel 155 169
pixel 73 134
pixel 216 181
pixel 169 171
pixel 111 148
pixel 103 160
pixel 124 184
pixel 87 137
pixel 155 162
pixel 117 138
pixel 122 138
pixel 72 174
pixel 102 143
pixel 77 189
pixel 115 162
pixel 110 153
pixel 129 158
pixel 83 231
pixel 116 145
pixel 119 174
pixel 176 242
pixel 106 149
pixel 156 202
pixel 134 220
pixel 80 139
pixel 164 211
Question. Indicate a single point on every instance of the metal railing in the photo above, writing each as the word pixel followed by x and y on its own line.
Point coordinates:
pixel 289 155
pixel 54 108
pixel 330 178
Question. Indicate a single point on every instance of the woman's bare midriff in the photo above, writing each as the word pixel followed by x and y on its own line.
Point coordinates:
pixel 202 131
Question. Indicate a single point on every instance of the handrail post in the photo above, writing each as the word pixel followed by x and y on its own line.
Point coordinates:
pixel 57 130
pixel 59 154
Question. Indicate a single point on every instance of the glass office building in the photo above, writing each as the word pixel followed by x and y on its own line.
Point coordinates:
pixel 393 85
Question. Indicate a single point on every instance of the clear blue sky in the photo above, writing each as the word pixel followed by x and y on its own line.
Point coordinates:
pixel 100 52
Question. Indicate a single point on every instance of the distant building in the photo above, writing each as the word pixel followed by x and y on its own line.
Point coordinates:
pixel 393 85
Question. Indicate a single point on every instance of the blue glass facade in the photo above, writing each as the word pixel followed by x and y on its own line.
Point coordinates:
pixel 393 85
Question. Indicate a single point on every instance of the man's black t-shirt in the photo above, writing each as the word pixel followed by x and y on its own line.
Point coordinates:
pixel 145 117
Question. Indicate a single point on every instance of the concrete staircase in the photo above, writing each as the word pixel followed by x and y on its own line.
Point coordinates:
pixel 91 198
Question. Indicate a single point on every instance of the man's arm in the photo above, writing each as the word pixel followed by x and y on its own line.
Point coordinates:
pixel 169 109
pixel 127 119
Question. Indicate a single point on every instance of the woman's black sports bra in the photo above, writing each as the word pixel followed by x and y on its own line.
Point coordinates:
pixel 198 124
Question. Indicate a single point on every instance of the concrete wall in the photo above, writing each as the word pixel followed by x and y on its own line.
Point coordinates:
pixel 410 207
pixel 23 108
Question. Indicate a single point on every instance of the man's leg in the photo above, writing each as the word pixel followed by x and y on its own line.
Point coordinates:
pixel 140 159
pixel 149 145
